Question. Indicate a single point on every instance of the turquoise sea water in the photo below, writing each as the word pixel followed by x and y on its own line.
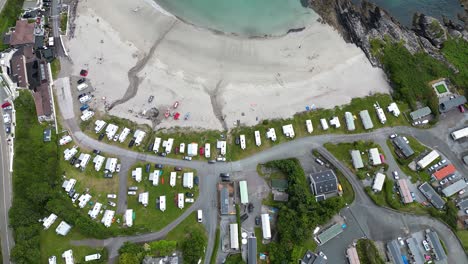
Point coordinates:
pixel 403 10
pixel 276 17
pixel 242 17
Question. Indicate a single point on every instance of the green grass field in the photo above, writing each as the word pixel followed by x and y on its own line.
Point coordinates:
pixel 150 217
pixel 441 89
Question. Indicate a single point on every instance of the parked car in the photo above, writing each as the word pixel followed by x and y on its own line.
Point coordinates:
pixel 244 217
pixel 116 137
pixel 202 151
pixel 188 194
pixel 322 255
pixel 101 136
pixel 117 168
pixel 395 175
pixel 73 160
pixel 150 99
pixel 257 220
pixel 112 204
pixel 466 211
pixel 97 152
pixel 75 197
pixel 178 169
pixel 163 154
pixel 416 123
pixel 158 166
pixel 319 161
pixel 82 95
pixel 131 143
pixel 220 159
pixel 426 245
pixel 189 200
pixel 393 136
pixel 112 196
pixel 84 73
pixel 6 118
pixel 187 158
pixel 461 192
pixel 81 80
pixel 196 180
pixel 413 195
pixel 444 181
pixel 7 130
pixel 250 207
pixel 211 161
pixel 133 188
pixel 462 109
pixel 132 193
pixel 401 241
pixel 148 168
pixel 443 161
pixel 237 140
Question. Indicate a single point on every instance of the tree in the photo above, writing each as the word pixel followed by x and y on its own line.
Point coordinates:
pixel 128 258
pixel 193 247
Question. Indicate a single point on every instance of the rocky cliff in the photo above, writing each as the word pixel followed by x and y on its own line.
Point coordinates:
pixel 361 24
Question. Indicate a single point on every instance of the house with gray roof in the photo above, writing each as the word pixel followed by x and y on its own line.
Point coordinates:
pixel 420 113
pixel 357 159
pixel 403 147
pixel 395 253
pixel 432 195
pixel 454 188
pixel 414 249
pixel 366 120
pixel 436 245
pixel 323 182
pixel 350 121
pixel 252 250
pixel 450 104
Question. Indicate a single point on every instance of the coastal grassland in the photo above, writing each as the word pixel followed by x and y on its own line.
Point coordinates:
pixel 368 252
pixel 342 151
pixel 300 129
pixel 298 217
pixel 456 52
pixel 419 149
pixel 55 67
pixel 151 217
pixel 8 16
pixel 53 244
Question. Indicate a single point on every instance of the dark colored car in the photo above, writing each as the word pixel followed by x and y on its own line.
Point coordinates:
pixel 237 140
pixel 131 143
pixel 84 73
pixel 250 208
pixel 244 217
pixel 73 160
pixel 80 81
pixel 81 95
pixel 158 166
pixel 150 147
pixel 257 220
pixel 148 167
pixel 97 152
pixel 163 154
pixel 101 136
pixel 177 168
pixel 189 195
pixel 212 161
pixel 71 193
pixel 196 180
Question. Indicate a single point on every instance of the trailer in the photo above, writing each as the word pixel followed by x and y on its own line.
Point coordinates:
pixel 459 134
pixel 428 159
pixel 162 203
pixel 324 124
pixel 93 257
pixel 309 126
pixel 207 150
pixel 258 140
pixel 157 143
pixel 242 142
pixel 180 200
pixel 172 181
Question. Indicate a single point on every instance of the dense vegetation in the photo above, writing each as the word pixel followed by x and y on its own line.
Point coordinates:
pixel 299 215
pixel 410 74
pixel 8 16
pixel 234 259
pixel 368 253
pixel 37 187
pixel 193 246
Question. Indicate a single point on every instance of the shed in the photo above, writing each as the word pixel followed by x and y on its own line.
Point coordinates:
pixel 63 228
pixel 329 233
pixel 350 121
pixel 234 235
pixel 378 182
pixel 188 180
pixel 420 113
pixel 454 188
pixel 266 226
pixel 450 104
pixel 244 193
pixel 357 159
pixel 366 120
pixel 432 195
pixel 323 182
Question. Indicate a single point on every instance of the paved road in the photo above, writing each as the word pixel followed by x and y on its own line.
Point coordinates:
pixel 208 178
pixel 5 196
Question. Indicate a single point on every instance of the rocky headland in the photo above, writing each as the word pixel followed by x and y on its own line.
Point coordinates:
pixel 360 24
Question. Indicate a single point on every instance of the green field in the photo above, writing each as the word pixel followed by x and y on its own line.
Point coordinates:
pixel 441 88
pixel 150 217
pixel 342 151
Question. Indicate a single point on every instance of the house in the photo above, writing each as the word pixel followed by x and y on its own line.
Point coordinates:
pixel 108 218
pixel 83 159
pixel 279 184
pixel 378 182
pixel 335 121
pixel 393 108
pixel 252 250
pixel 374 156
pixel 288 131
pixel 266 226
pixel 432 195
pixel 350 121
pixel 366 120
pixel 99 125
pixel 83 200
pixel 192 149
pixel 428 159
pixel 454 188
pixel 98 161
pixel 143 198
pixel 124 134
pixel 187 181
pixel 93 213
pixel 65 140
pixel 69 153
pixel 357 159
pixel 420 113
pixel 329 233
pixel 224 200
pixel 111 130
pixel 450 104
pixel 167 145
pixel 444 172
pixel 271 134
pixel 43 103
pixel 434 240
pixel 414 250
pixel 63 228
pixel 68 185
pixel 405 192
pixel 139 135
pixel 221 145
pixel 324 182
pixel 18 72
pixel 394 252
pixel 312 258
pixel 111 164
pixel 23 34
pixel 161 260
pixel 404 149
pixel 137 174
pixel 154 177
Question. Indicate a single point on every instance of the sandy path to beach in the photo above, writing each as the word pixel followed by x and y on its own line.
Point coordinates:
pixel 214 77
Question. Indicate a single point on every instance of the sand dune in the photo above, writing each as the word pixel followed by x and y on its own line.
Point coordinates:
pixel 215 75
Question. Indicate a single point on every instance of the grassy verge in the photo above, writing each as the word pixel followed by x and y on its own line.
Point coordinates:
pixel 63 21
pixel 55 67
pixel 403 163
pixel 234 259
pixel 8 16
pixel 151 217
pixel 342 151
pixel 214 254
pixel 368 253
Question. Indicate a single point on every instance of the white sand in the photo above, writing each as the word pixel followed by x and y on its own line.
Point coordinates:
pixel 262 78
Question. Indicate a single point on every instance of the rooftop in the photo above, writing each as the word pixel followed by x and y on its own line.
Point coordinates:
pixel 395 253
pixel 454 188
pixel 431 195
pixel 404 147
pixel 435 242
pixel 444 172
pixel 357 159
pixel 279 184
pixel 420 113
pixel 324 182
pixel 42 101
pixel 23 33
pixel 452 103
pixel 330 233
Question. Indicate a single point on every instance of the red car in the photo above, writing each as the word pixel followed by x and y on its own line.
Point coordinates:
pixel 6 104
pixel 202 151
pixel 462 109
pixel 84 73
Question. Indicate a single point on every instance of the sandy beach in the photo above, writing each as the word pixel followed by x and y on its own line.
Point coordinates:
pixel 213 76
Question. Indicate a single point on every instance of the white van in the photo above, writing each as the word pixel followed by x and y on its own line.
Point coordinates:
pixel 199 216
pixel 82 86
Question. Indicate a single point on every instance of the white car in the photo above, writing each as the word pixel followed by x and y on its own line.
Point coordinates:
pixel 426 245
pixel 189 200
pixel 221 159
pixel 393 136
pixel 131 193
pixel 395 175
pixel 75 197
pixel 116 137
pixel 112 204
pixel 117 168
pixel 187 158
pixel 6 119
pixel 112 196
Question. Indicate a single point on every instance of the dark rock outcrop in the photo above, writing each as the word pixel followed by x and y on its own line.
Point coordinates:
pixel 361 24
